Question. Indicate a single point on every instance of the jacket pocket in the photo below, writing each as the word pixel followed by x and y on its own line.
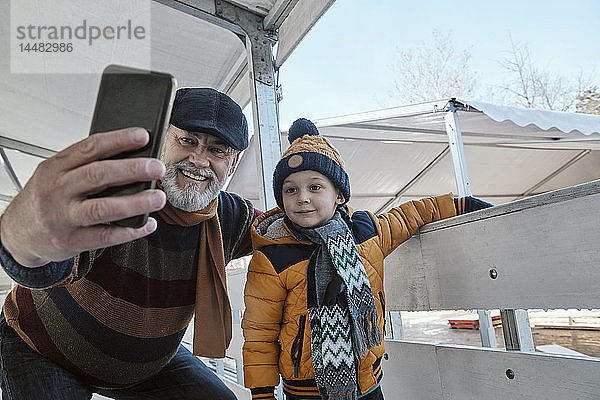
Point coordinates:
pixel 382 300
pixel 297 345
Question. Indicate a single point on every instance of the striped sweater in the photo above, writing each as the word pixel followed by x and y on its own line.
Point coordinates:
pixel 122 315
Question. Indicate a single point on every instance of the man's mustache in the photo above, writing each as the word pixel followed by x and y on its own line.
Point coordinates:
pixel 189 167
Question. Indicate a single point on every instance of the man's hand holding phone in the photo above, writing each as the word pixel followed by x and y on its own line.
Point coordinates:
pixel 99 191
pixel 52 218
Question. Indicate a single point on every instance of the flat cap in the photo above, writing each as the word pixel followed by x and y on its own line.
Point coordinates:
pixel 207 110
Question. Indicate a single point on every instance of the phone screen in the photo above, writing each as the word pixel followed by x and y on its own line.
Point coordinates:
pixel 130 97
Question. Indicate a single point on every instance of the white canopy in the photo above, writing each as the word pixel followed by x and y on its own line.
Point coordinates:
pixel 398 154
pixel 43 113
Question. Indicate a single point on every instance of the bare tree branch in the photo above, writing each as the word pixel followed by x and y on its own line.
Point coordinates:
pixel 534 87
pixel 433 71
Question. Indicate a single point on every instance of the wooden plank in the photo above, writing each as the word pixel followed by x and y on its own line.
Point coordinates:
pixel 406 279
pixel 545 251
pixel 478 373
pixel 557 349
pixel 411 372
pixel 429 371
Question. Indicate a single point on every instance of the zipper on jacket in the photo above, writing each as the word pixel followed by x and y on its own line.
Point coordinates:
pixel 382 300
pixel 297 345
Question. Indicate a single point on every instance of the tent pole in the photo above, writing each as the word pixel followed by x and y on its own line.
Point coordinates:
pixel 265 109
pixel 463 185
pixel 9 170
pixel 459 161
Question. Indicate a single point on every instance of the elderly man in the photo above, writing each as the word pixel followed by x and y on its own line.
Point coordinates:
pixel 103 308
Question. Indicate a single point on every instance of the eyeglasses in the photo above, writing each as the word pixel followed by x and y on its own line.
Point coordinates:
pixel 216 150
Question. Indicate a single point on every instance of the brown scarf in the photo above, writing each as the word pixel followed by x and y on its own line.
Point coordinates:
pixel 212 313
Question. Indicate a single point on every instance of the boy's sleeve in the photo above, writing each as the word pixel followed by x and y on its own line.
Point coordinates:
pixel 264 297
pixel 469 204
pixel 400 223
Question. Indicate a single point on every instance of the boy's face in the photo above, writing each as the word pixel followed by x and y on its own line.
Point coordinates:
pixel 310 198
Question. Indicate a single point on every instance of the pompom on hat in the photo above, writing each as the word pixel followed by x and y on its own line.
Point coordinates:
pixel 310 151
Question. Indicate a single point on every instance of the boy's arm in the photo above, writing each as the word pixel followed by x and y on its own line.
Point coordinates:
pixel 400 223
pixel 468 204
pixel 264 296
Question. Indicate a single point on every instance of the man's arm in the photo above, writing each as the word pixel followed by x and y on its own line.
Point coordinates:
pixel 52 219
pixel 236 215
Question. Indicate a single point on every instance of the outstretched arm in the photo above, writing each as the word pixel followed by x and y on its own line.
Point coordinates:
pixel 52 219
pixel 400 223
pixel 468 204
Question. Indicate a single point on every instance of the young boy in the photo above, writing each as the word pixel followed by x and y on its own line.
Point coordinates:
pixel 315 305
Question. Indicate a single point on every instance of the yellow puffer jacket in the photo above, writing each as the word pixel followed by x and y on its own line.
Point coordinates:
pixel 275 323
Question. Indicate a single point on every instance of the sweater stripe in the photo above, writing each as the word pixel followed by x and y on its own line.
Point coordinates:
pixel 135 255
pixel 114 344
pixel 33 327
pixel 128 318
pixel 86 355
pixel 146 292
pixel 174 238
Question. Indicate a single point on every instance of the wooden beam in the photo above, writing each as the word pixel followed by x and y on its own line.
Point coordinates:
pixel 539 252
pixel 420 371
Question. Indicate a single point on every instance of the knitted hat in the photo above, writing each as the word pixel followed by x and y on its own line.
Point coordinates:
pixel 310 151
pixel 210 111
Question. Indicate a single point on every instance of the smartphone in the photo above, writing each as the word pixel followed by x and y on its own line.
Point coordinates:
pixel 131 97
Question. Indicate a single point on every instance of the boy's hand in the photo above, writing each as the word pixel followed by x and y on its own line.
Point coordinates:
pixel 52 219
pixel 468 204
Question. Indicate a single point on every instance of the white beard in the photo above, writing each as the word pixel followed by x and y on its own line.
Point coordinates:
pixel 189 198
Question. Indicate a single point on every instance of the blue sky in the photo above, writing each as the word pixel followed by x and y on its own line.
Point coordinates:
pixel 343 66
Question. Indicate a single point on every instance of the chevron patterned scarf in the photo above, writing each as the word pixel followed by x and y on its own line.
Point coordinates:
pixel 341 309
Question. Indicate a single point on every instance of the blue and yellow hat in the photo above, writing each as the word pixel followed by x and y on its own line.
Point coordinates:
pixel 310 151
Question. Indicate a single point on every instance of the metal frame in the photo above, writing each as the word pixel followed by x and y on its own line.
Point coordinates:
pixel 259 45
pixel 457 149
pixel 9 170
pixel 259 42
pixel 393 325
pixel 517 332
pixel 463 185
pixel 26 148
pixel 415 179
pixel 204 10
pixel 403 111
pixel 279 12
pixel 572 161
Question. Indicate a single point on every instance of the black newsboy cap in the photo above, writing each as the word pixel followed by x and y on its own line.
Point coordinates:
pixel 207 110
